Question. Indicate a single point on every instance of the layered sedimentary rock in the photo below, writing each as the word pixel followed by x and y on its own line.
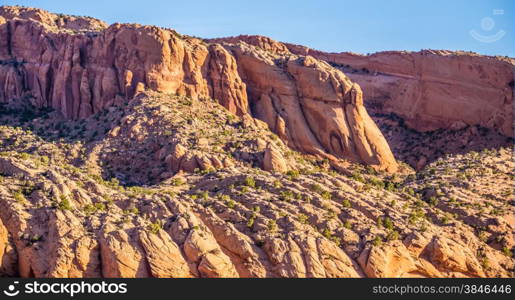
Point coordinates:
pixel 314 107
pixel 80 74
pixel 52 21
pixel 429 89
pixel 433 89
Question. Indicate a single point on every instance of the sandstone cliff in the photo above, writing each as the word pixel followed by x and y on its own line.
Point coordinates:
pixel 428 89
pixel 434 89
pixel 311 105
pixel 171 156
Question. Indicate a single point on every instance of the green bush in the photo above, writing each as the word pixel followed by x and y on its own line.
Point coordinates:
pixel 388 224
pixel 346 203
pixel 302 218
pixel 272 226
pixel 286 195
pixel 347 224
pixel 379 222
pixel 19 197
pixel 89 209
pixel 377 241
pixel 177 181
pixel 100 206
pixel 277 184
pixel 250 182
pixel 392 235
pixel 293 174
pixel 316 188
pixel 326 195
pixel 155 227
pixel 64 204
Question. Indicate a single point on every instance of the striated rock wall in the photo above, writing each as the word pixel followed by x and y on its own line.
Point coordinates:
pixel 80 74
pixel 429 89
pixel 52 21
pixel 433 89
pixel 311 105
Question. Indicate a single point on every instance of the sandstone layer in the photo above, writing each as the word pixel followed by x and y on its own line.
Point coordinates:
pixel 314 107
pixel 133 151
pixel 430 89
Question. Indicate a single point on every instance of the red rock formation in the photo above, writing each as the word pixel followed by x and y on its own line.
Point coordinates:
pixel 80 74
pixel 428 89
pixel 311 105
pixel 53 21
pixel 433 89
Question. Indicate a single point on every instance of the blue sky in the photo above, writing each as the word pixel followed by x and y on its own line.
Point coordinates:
pixel 364 26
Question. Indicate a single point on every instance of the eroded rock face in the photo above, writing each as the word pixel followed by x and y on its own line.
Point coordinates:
pixel 432 89
pixel 8 256
pixel 273 160
pixel 429 89
pixel 53 21
pixel 312 106
pixel 82 73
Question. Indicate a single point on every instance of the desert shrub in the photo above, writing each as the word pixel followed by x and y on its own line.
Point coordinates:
pixel 388 224
pixel 250 182
pixel 346 203
pixel 302 218
pixel 19 197
pixel 155 227
pixel 271 225
pixel 506 251
pixel 286 195
pixel 393 235
pixel 89 209
pixel 177 181
pixel 326 195
pixel 316 188
pixel 99 206
pixel 230 203
pixel 357 177
pixel 377 241
pixel 293 174
pixel 204 195
pixel 64 204
pixel 347 224
pixel 277 184
pixel 379 222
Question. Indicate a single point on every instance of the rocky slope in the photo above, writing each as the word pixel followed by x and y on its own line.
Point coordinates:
pixel 77 202
pixel 81 72
pixel 134 151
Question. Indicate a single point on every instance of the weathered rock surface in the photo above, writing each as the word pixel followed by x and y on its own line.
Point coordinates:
pixel 313 106
pixel 63 220
pixel 310 104
pixel 429 89
pixel 432 89
pixel 8 256
pixel 273 160
pixel 172 185
pixel 80 73
pixel 53 21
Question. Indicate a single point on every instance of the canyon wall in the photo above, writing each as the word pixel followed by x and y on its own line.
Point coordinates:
pixel 433 89
pixel 429 89
pixel 79 71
